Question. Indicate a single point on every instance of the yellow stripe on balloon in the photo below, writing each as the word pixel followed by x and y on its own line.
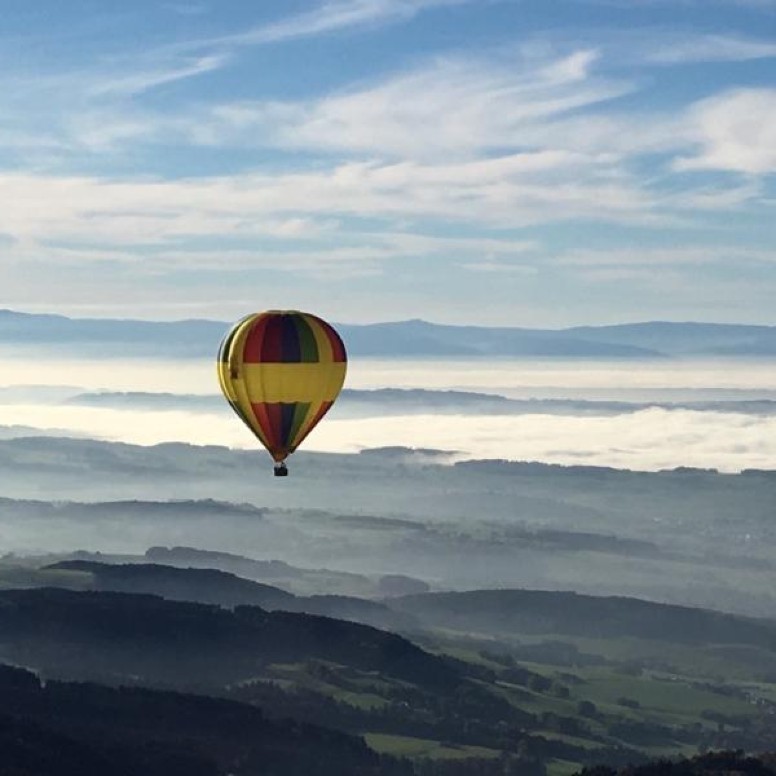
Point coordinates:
pixel 226 386
pixel 321 339
pixel 293 382
pixel 236 372
pixel 222 366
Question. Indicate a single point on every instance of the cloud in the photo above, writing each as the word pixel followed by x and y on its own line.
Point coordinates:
pixel 499 267
pixel 143 81
pixel 735 131
pixel 648 440
pixel 709 48
pixel 334 16
pixel 79 212
pixel 98 120
pixel 677 257
pixel 452 107
pixel 462 146
pixel 554 117
pixel 55 120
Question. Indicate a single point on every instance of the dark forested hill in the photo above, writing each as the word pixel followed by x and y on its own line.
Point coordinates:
pixel 28 748
pixel 722 763
pixel 72 729
pixel 117 636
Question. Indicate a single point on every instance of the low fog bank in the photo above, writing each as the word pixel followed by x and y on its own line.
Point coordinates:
pixel 600 380
pixel 710 414
pixel 686 536
pixel 648 439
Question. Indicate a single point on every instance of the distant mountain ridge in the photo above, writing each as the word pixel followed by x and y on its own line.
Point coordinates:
pixel 508 612
pixel 413 338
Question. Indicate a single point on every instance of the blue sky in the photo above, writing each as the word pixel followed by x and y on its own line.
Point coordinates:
pixel 511 162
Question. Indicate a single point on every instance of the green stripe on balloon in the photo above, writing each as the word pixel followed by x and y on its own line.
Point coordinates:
pixel 300 413
pixel 308 347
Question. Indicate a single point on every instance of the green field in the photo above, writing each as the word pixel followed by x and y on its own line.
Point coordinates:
pixel 406 746
pixel 583 708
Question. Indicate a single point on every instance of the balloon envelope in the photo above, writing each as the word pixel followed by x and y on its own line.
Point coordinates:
pixel 281 371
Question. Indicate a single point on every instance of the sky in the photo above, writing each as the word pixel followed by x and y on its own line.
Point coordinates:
pixel 499 162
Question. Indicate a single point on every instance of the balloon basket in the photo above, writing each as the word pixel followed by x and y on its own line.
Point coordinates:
pixel 281 470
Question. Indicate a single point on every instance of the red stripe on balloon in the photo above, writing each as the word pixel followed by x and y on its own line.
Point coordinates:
pixel 272 346
pixel 265 423
pixel 254 340
pixel 275 417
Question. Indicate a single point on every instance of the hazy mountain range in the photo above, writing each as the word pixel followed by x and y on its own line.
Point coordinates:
pixel 403 338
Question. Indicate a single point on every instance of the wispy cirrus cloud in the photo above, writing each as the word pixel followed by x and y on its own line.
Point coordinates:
pixel 476 142
pixel 133 83
pixel 334 16
pixel 99 108
pixel 450 107
pixel 657 47
pixel 684 49
pixel 486 195
pixel 560 112
pixel 447 109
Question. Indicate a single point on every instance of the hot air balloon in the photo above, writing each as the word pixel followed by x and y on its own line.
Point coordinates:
pixel 281 371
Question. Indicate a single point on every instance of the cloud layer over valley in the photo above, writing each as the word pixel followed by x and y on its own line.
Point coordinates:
pixel 659 416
